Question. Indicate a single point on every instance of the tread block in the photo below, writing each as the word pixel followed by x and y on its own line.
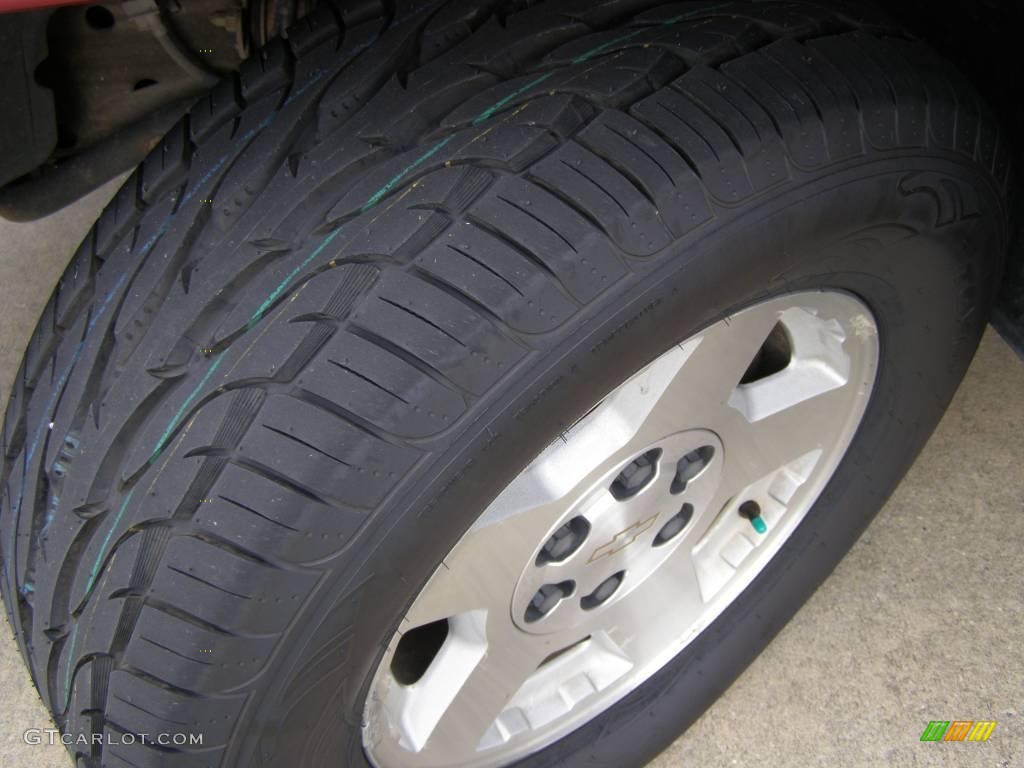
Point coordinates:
pixel 345 97
pixel 510 48
pixel 263 140
pixel 498 278
pixel 454 315
pixel 74 288
pixel 409 179
pixel 41 345
pixel 215 109
pixel 267 71
pixel 749 126
pixel 787 103
pixel 867 79
pixel 453 188
pixel 653 166
pixel 166 165
pixel 452 24
pixel 426 95
pixel 147 706
pixel 355 12
pixel 119 217
pixel 717 38
pixel 311 446
pixel 13 431
pixel 381 389
pixel 313 30
pixel 222 589
pixel 409 228
pixel 607 82
pixel 258 514
pixel 550 233
pixel 606 196
pixel 145 289
pixel 195 657
pixel 138 756
pixel 708 150
pixel 437 333
pixel 909 97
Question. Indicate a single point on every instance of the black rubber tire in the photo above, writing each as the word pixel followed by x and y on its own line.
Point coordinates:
pixel 362 283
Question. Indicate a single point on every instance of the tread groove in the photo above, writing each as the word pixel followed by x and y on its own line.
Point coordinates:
pixel 526 253
pixel 527 212
pixel 422 319
pixel 171 650
pixel 305 444
pixel 368 380
pixel 423 367
pixel 201 580
pixel 260 515
pixel 598 185
pixel 484 266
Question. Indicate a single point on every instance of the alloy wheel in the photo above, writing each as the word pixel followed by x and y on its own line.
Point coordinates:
pixel 626 537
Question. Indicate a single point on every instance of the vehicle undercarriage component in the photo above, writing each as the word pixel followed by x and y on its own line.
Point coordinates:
pixel 102 83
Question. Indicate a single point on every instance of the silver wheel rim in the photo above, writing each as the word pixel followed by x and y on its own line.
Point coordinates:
pixel 626 537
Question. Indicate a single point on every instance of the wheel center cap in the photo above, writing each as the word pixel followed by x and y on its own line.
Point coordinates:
pixel 623 525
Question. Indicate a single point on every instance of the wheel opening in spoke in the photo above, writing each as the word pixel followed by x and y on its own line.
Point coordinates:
pixel 774 355
pixel 818 362
pixel 417 650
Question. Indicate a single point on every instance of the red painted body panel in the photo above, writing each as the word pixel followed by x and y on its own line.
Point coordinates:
pixel 10 6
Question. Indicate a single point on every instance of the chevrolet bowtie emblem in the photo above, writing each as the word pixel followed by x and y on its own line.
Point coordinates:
pixel 622 539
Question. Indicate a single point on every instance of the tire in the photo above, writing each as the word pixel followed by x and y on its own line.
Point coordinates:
pixel 367 280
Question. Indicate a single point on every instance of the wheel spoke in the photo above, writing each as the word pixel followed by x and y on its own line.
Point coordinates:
pixel 601 439
pixel 755 449
pixel 797 411
pixel 481 572
pixel 510 658
pixel 641 622
pixel 712 366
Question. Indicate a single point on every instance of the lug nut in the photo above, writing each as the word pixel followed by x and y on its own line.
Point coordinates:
pixel 635 475
pixel 564 542
pixel 604 590
pixel 691 465
pixel 547 597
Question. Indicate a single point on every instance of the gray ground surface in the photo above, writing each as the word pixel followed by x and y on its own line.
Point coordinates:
pixel 923 620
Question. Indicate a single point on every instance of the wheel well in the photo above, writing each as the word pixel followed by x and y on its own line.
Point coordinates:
pixel 981 39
